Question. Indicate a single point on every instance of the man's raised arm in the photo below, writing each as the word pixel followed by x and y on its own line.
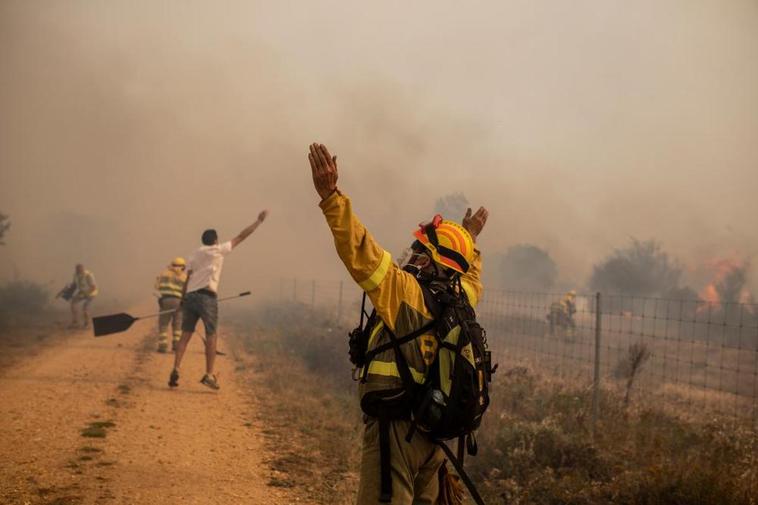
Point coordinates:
pixel 250 229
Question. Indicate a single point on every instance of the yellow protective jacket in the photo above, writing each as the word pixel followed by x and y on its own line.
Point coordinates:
pixel 396 296
pixel 170 283
pixel 85 285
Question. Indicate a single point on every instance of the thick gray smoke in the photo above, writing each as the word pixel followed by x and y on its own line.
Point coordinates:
pixel 642 268
pixel 526 267
pixel 452 206
pixel 129 127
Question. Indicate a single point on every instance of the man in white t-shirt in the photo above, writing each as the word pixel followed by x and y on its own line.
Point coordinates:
pixel 200 300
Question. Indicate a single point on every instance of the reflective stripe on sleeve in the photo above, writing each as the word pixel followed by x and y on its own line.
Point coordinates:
pixel 377 277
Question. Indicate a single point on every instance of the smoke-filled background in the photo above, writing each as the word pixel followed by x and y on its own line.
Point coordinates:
pixel 129 127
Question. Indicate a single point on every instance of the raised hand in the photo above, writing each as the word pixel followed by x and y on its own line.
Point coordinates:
pixel 475 222
pixel 262 216
pixel 323 169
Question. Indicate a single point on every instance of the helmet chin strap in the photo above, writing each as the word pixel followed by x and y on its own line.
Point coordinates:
pixel 426 277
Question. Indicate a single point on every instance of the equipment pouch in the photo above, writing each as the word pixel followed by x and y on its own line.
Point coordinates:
pixel 358 338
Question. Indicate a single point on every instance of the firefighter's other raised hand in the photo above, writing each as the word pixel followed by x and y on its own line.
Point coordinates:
pixel 323 169
pixel 475 222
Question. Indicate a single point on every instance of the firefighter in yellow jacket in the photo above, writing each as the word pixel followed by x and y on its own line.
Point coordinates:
pixel 399 301
pixel 169 286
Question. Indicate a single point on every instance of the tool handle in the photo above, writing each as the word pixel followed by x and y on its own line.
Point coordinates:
pixel 244 293
pixel 148 316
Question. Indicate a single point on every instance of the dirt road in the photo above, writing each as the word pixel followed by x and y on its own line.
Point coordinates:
pixel 147 445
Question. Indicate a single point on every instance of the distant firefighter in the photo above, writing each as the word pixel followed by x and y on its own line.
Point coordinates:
pixel 561 314
pixel 85 291
pixel 170 288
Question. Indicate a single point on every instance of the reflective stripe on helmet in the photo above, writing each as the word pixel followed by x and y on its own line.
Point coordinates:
pixel 448 243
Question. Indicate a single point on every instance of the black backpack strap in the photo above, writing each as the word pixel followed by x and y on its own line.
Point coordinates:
pixel 431 302
pixel 400 341
pixel 402 365
pixel 363 310
pixel 385 475
pixel 385 468
pixel 462 473
pixel 435 309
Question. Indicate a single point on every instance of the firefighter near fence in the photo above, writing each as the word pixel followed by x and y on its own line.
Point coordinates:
pixel 422 360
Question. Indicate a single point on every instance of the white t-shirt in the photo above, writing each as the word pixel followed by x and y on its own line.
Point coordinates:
pixel 206 264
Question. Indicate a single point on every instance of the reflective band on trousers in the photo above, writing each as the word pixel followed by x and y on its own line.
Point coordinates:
pixel 377 277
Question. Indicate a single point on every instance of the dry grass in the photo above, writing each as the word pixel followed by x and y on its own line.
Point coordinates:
pixel 538 449
pixel 536 445
pixel 310 414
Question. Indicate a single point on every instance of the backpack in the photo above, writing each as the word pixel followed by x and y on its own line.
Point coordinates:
pixel 452 399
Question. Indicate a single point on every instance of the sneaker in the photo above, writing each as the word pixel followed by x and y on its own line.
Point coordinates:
pixel 173 345
pixel 210 381
pixel 173 380
pixel 162 347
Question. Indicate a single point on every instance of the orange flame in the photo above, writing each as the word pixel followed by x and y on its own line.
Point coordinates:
pixel 723 268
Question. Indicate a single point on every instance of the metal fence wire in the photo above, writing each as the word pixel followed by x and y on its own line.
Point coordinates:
pixel 688 356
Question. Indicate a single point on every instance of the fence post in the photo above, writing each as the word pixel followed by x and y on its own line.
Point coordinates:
pixel 596 377
pixel 313 294
pixel 339 303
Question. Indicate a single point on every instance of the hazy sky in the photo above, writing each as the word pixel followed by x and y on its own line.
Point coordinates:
pixel 129 127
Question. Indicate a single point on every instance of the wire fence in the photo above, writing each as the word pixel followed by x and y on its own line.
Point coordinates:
pixel 687 356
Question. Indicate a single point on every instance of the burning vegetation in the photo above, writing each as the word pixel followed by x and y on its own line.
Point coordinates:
pixel 729 283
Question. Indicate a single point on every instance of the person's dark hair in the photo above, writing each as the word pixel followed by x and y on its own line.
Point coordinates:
pixel 209 237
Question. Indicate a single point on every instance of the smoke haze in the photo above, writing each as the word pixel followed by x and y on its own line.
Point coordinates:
pixel 129 127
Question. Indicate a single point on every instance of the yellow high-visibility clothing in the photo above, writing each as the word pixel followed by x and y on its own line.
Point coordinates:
pixel 397 298
pixel 85 285
pixel 568 305
pixel 171 283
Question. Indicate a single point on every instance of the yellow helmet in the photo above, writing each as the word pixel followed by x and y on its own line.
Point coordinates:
pixel 448 243
pixel 178 262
